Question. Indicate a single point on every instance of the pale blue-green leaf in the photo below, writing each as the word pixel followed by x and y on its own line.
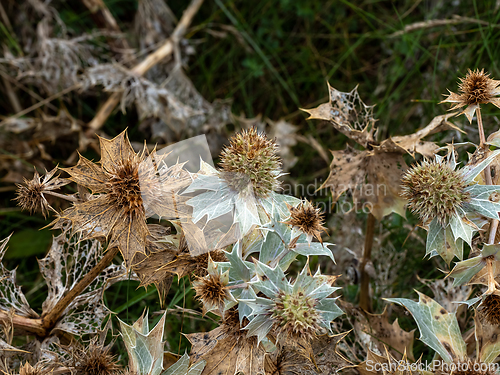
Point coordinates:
pixel 145 358
pixel 470 172
pixel 244 310
pixel 180 367
pixel 197 368
pixel 276 203
pixel 238 266
pixel 259 326
pixel 315 248
pixel 484 207
pixel 494 139
pixel 460 229
pixel 465 270
pixel 442 241
pixel 246 214
pixel 272 280
pixel 469 302
pixel 213 204
pixel 438 328
pixel 272 247
pixel 329 311
pixel 206 168
pixel 204 182
pixel 280 228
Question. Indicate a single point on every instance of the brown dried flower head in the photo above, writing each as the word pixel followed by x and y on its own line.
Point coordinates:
pixel 475 89
pixel 31 194
pixel 307 219
pixel 434 190
pixel 95 359
pixel 251 159
pixel 38 369
pixel 212 289
pixel 489 309
pixel 115 210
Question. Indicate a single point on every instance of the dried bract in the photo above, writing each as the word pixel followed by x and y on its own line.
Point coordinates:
pixel 489 309
pixel 475 89
pixel 95 359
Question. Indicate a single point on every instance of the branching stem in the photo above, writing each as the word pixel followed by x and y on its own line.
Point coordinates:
pixel 50 318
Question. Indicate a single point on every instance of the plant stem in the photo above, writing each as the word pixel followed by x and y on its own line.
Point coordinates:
pixel 50 318
pixel 364 294
pixel 151 60
pixel 62 196
pixel 23 325
pixel 487 175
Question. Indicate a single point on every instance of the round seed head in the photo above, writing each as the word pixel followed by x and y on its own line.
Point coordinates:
pixel 250 159
pixel 434 190
pixel 296 315
pixel 123 186
pixel 95 359
pixel 477 87
pixel 489 309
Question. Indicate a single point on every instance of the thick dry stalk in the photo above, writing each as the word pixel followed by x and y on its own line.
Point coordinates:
pixel 364 289
pixel 51 317
pixel 22 325
pixel 105 20
pixel 487 175
pixel 151 60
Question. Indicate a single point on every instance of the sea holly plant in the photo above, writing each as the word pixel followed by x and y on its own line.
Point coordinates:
pixel 448 200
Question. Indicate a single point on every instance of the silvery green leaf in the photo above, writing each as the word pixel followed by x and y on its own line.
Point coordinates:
pixel 239 268
pixel 213 204
pixel 469 302
pixel 280 228
pixel 315 248
pixel 204 182
pixel 259 326
pixel 246 215
pixel 244 310
pixel 329 311
pixel 271 249
pixel 438 328
pixel 484 207
pixel 276 203
pixel 494 139
pixel 465 270
pixel 272 280
pixel 206 168
pixel 442 241
pixel 460 229
pixel 470 172
pixel 181 367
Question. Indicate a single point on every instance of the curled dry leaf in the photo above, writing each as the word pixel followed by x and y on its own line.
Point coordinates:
pixel 372 175
pixel 377 334
pixel 227 349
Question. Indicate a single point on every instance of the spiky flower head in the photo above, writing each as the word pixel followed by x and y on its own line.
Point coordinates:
pixel 475 89
pixel 489 308
pixel 38 369
pixel 298 310
pixel 307 219
pixel 31 194
pixel 95 359
pixel 251 160
pixel 434 190
pixel 212 289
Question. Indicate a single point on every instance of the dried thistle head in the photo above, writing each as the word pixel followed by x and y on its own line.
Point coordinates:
pixel 489 309
pixel 38 369
pixel 307 219
pixel 251 159
pixel 31 194
pixel 212 289
pixel 95 359
pixel 434 190
pixel 475 89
